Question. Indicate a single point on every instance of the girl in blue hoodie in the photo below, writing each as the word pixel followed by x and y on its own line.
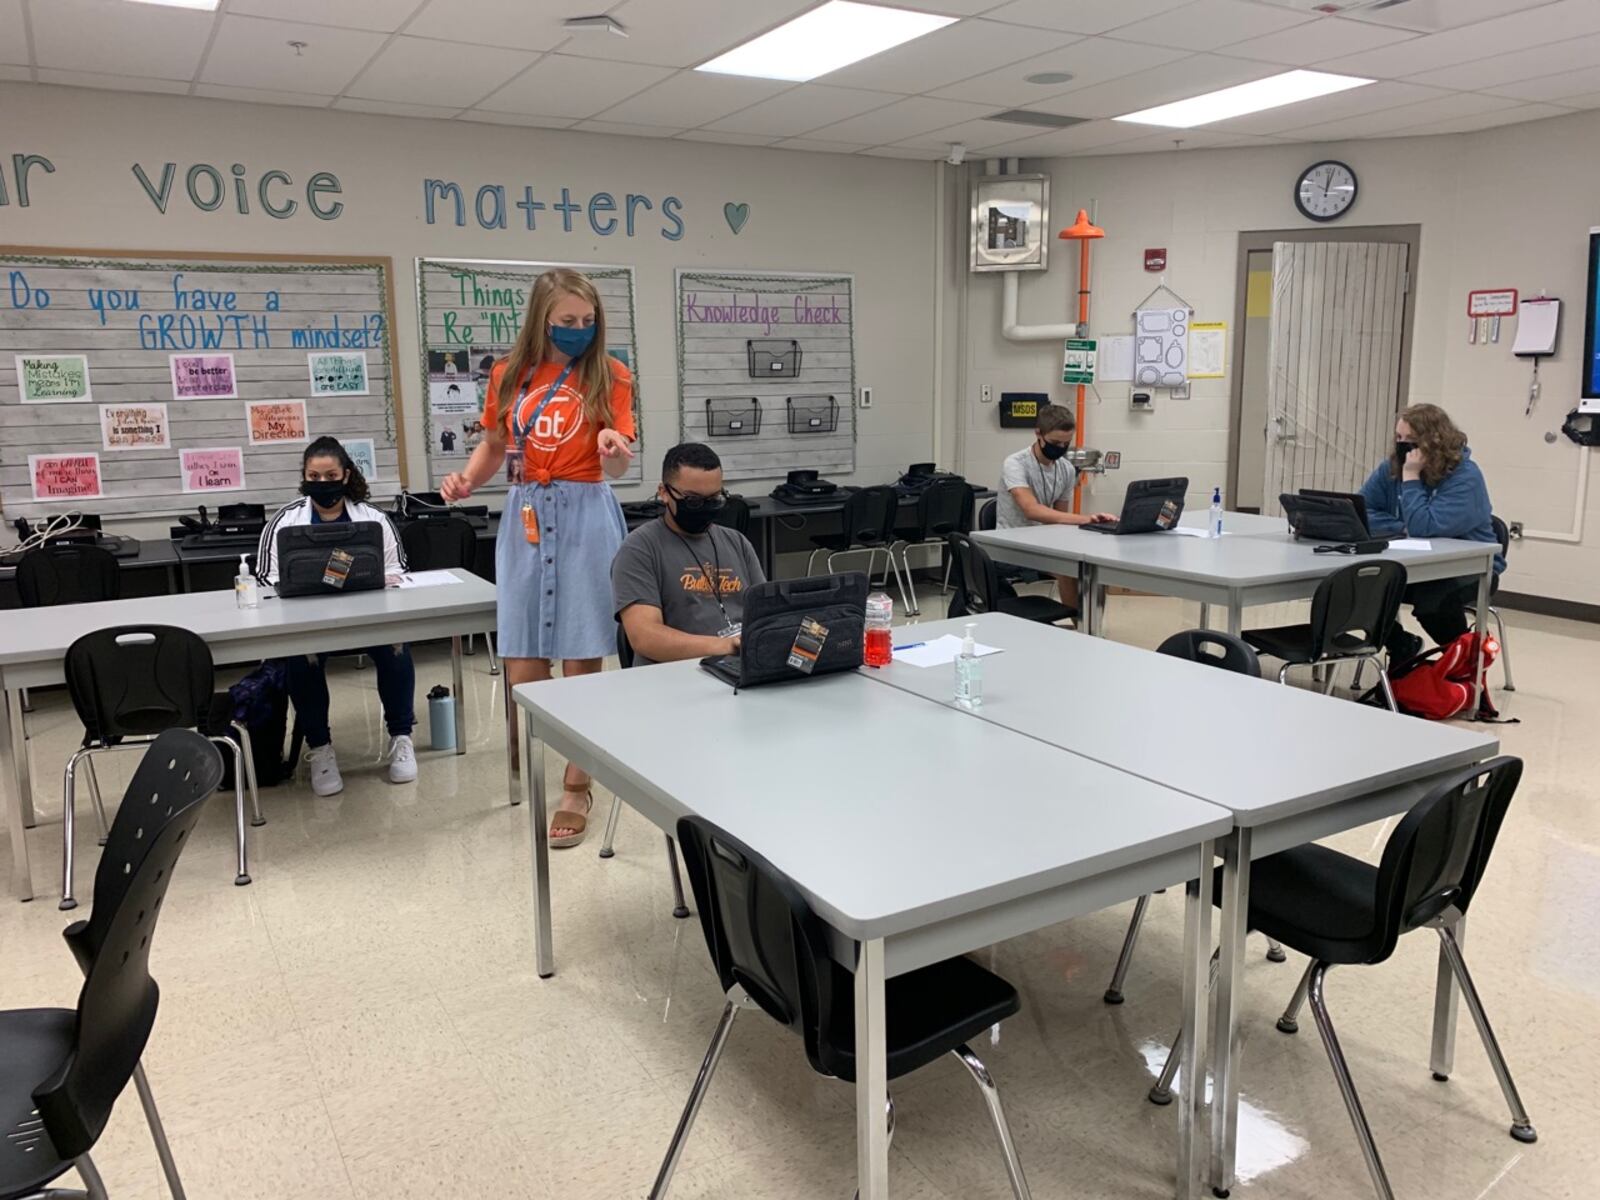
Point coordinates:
pixel 1431 488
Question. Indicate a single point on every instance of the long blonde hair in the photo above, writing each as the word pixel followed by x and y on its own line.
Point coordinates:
pixel 591 370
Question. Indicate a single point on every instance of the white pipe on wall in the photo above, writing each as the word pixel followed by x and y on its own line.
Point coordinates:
pixel 941 187
pixel 1582 502
pixel 1026 333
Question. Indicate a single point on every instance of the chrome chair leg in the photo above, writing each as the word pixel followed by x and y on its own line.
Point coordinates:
pixel 997 1114
pixel 69 828
pixel 611 827
pixel 1290 1021
pixel 1383 681
pixel 1505 649
pixel 93 1185
pixel 1347 1087
pixel 1283 673
pixel 250 774
pixel 811 563
pixel 912 609
pixel 907 598
pixel 697 1094
pixel 243 877
pixel 494 658
pixel 94 794
pixel 1521 1127
pixel 679 908
pixel 1361 671
pixel 1113 993
pixel 158 1134
pixel 1275 952
pixel 1161 1092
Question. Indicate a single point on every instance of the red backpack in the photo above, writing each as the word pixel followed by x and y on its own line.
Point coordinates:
pixel 1437 684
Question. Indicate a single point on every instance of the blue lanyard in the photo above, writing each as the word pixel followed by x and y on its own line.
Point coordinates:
pixel 523 431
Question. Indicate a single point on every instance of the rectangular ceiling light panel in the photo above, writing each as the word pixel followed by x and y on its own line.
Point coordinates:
pixel 1273 92
pixel 837 34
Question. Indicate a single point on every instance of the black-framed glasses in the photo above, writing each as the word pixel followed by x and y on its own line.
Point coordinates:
pixel 693 502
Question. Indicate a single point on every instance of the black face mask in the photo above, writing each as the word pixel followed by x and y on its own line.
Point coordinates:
pixel 1053 451
pixel 694 520
pixel 1401 449
pixel 324 493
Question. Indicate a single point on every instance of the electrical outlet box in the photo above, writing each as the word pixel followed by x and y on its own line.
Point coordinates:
pixel 1516 529
pixel 1142 402
pixel 986 393
pixel 866 397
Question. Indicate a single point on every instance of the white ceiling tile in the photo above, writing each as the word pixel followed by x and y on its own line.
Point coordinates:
pixel 254 53
pixel 17 74
pixel 384 16
pixel 692 98
pixel 1080 16
pixel 1435 16
pixel 1517 31
pixel 391 108
pixel 1353 103
pixel 624 129
pixel 802 109
pixel 515 24
pixel 247 95
pixel 815 146
pixel 683 33
pixel 1488 120
pixel 527 119
pixel 1179 80
pixel 115 83
pixel 901 120
pixel 955 52
pixel 1183 140
pixel 1489 74
pixel 13 40
pixel 1445 108
pixel 1316 41
pixel 560 85
pixel 1208 24
pixel 1090 61
pixel 449 74
pixel 114 37
pixel 1092 135
pixel 1556 88
pixel 978 137
pixel 958 8
pixel 903 152
pixel 722 137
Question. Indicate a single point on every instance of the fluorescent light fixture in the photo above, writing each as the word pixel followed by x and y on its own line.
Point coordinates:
pixel 837 34
pixel 202 5
pixel 1272 92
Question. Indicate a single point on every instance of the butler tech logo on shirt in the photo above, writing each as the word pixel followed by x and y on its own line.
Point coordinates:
pixel 698 579
pixel 557 424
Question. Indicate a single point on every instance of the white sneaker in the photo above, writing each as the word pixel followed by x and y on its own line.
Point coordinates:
pixel 402 760
pixel 325 777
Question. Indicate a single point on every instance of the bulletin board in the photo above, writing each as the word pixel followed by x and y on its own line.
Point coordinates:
pixel 767 370
pixel 470 311
pixel 149 383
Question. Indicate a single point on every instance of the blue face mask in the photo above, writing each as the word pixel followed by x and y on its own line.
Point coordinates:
pixel 571 341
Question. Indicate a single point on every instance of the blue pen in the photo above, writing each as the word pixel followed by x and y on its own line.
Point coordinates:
pixel 911 646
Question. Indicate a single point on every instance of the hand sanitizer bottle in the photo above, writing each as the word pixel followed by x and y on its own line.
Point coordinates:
pixel 245 593
pixel 969 673
pixel 1216 512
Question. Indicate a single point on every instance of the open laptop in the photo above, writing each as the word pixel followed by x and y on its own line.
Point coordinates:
pixel 1320 516
pixel 330 559
pixel 1151 506
pixel 774 613
pixel 1357 502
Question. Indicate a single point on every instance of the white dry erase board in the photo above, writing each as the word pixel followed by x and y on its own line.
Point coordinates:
pixel 470 311
pixel 767 370
pixel 115 364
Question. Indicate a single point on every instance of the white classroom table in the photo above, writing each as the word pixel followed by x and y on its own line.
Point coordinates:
pixel 1291 765
pixel 785 768
pixel 34 641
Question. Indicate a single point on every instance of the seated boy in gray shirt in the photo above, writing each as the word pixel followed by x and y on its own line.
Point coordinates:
pixel 679 582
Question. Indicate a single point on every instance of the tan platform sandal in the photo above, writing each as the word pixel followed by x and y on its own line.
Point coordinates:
pixel 578 822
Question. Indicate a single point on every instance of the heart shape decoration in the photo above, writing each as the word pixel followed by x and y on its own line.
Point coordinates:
pixel 736 215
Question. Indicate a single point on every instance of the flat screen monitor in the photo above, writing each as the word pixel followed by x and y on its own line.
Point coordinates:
pixel 1591 322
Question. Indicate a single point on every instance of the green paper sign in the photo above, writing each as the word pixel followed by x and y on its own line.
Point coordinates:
pixel 1078 364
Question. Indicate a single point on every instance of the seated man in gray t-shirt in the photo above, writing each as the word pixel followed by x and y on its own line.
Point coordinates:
pixel 1036 485
pixel 679 582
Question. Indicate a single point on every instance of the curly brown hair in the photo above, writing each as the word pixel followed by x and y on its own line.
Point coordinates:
pixel 1437 437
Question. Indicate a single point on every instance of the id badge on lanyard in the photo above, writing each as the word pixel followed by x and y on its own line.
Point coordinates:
pixel 516 461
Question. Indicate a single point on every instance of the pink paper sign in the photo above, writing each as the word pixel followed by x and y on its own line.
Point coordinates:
pixel 216 469
pixel 65 476
pixel 203 377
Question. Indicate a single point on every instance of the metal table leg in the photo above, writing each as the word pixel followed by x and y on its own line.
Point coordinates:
pixel 1088 596
pixel 1205 615
pixel 1226 1033
pixel 872 1075
pixel 13 747
pixel 23 763
pixel 511 707
pixel 1445 997
pixel 533 787
pixel 1482 626
pixel 460 694
pixel 1235 614
pixel 1196 953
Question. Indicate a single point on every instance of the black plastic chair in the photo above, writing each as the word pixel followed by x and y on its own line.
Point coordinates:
pixel 1340 911
pixel 1211 648
pixel 1502 533
pixel 679 908
pixel 943 507
pixel 770 952
pixel 65 1069
pixel 979 590
pixel 1010 576
pixel 867 523
pixel 134 682
pixel 735 515
pixel 67 573
pixel 1352 612
pixel 443 544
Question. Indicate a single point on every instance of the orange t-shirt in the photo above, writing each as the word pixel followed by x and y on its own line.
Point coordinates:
pixel 561 443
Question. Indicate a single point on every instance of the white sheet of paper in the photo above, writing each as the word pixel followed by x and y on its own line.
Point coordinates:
pixel 417 579
pixel 941 651
pixel 1192 531
pixel 1116 359
pixel 1411 544
pixel 1208 344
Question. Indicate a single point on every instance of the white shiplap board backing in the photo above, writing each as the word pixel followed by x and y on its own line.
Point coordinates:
pixel 719 314
pixel 130 314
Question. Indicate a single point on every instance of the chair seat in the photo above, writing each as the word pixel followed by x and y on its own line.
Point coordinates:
pixel 33 1043
pixel 928 1013
pixel 1315 900
pixel 1292 643
pixel 1036 608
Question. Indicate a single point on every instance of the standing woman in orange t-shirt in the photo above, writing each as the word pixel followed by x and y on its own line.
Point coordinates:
pixel 563 408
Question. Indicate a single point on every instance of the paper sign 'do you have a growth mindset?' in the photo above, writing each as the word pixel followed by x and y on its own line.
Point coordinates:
pixel 276 421
pixel 65 476
pixel 217 469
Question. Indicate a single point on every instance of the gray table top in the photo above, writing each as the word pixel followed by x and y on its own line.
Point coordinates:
pixel 1260 749
pixel 880 806
pixel 43 634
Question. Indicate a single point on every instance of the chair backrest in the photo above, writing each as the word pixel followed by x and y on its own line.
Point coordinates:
pixel 68 573
pixel 944 507
pixel 624 648
pixel 976 574
pixel 869 515
pixel 137 680
pixel 1353 609
pixel 1213 648
pixel 762 934
pixel 735 514
pixel 1437 854
pixel 117 1006
pixel 1502 534
pixel 989 514
pixel 439 543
